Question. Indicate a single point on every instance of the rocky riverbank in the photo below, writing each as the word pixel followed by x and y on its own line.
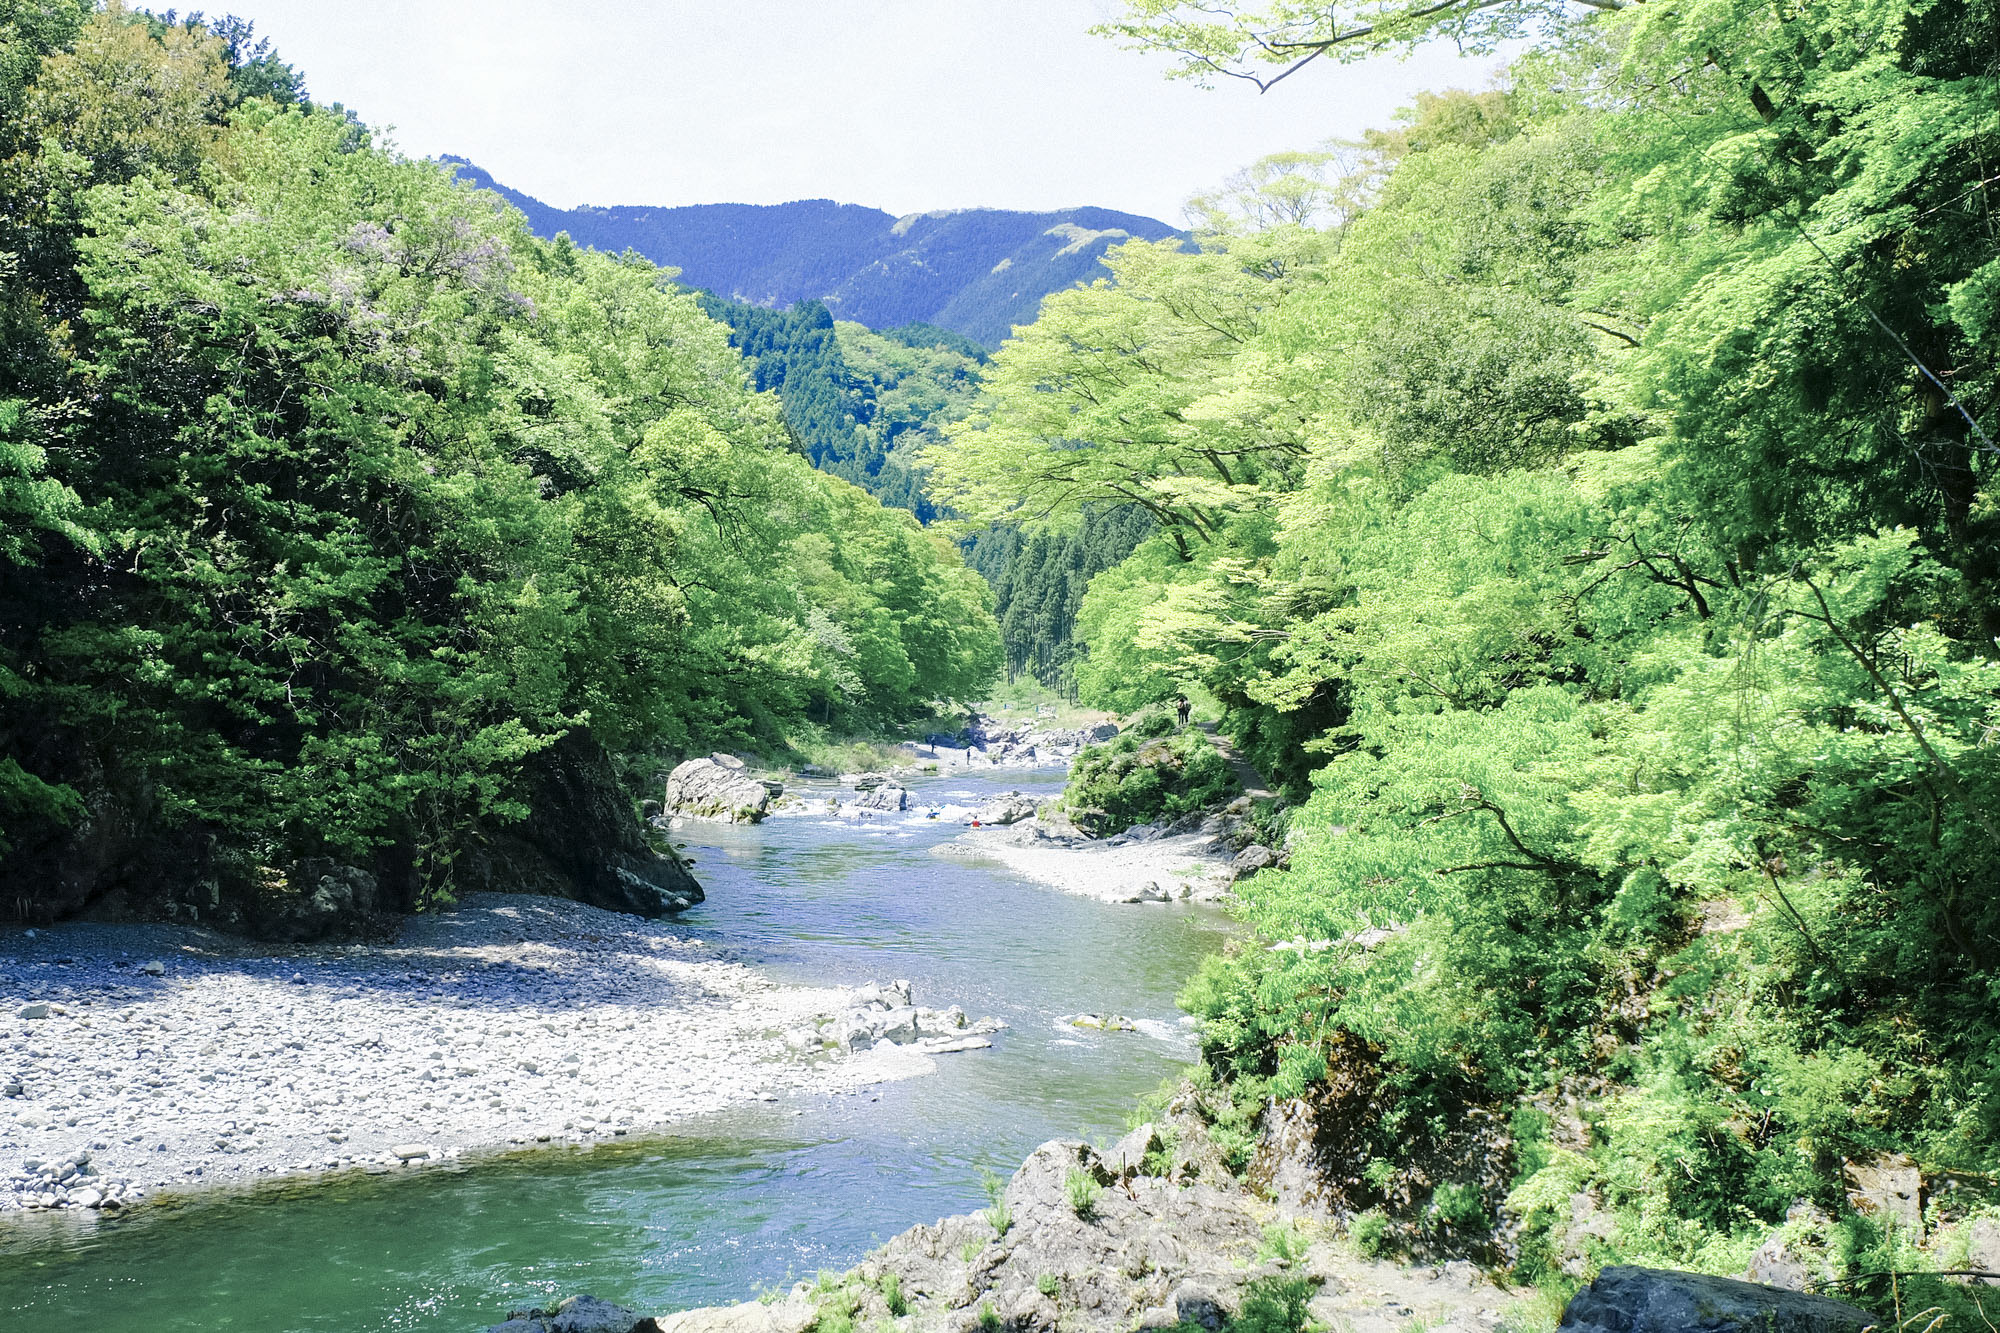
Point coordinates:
pixel 1156 1234
pixel 142 1058
pixel 1163 868
pixel 1152 1233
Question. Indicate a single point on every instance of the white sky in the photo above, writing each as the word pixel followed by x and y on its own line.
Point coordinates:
pixel 906 105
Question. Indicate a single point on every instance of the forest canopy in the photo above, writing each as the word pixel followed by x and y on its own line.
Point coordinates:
pixel 1581 496
pixel 330 498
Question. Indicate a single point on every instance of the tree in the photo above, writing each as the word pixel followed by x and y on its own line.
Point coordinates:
pixel 1132 392
pixel 1265 43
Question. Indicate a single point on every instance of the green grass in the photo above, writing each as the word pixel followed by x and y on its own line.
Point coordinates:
pixel 1081 1189
pixel 891 1288
pixel 998 1215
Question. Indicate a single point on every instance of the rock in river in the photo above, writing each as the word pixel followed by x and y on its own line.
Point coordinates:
pixel 1011 808
pixel 887 796
pixel 717 787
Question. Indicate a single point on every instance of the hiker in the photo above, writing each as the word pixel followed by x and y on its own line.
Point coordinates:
pixel 1182 707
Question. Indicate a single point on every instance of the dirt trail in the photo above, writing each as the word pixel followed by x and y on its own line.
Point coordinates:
pixel 1247 777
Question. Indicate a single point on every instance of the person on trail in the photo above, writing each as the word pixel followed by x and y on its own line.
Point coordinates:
pixel 1182 707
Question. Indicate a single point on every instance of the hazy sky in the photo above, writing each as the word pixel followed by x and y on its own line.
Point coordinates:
pixel 906 105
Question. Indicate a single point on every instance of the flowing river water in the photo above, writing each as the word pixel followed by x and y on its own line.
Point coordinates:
pixel 724 1207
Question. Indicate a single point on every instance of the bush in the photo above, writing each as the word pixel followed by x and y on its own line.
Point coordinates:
pixel 1370 1231
pixel 998 1215
pixel 1274 1305
pixel 1283 1244
pixel 1082 1190
pixel 1139 778
pixel 892 1295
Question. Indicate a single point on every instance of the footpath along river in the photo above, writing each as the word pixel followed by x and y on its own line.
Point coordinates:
pixel 725 1206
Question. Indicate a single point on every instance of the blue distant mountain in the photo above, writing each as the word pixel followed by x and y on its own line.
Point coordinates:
pixel 976 271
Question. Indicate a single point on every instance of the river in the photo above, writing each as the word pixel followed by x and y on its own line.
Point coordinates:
pixel 724 1207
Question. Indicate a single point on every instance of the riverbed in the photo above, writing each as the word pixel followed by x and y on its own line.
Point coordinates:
pixel 730 1203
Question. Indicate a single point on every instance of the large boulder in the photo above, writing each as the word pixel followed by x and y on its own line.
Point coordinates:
pixel 1011 808
pixel 1890 1189
pixel 1252 859
pixel 717 787
pixel 887 796
pixel 1658 1300
pixel 582 839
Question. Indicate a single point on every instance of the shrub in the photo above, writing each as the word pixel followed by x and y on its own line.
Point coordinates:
pixel 1283 1244
pixel 998 1215
pixel 1459 1206
pixel 989 1318
pixel 892 1295
pixel 1082 1190
pixel 1048 1284
pixel 1137 779
pixel 1274 1305
pixel 1370 1231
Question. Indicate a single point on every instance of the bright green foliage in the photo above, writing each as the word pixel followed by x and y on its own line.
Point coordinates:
pixel 1133 392
pixel 333 496
pixel 1146 774
pixel 1082 1191
pixel 1624 621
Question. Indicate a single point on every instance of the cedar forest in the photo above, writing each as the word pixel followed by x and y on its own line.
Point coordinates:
pixel 1578 498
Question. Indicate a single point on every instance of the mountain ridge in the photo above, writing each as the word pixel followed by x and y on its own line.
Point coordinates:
pixel 976 271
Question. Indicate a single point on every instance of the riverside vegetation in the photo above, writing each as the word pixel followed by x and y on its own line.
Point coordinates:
pixel 1577 499
pixel 344 521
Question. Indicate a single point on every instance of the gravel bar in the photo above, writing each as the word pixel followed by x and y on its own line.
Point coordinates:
pixel 142 1058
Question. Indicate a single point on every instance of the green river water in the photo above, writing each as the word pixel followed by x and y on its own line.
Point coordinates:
pixel 719 1209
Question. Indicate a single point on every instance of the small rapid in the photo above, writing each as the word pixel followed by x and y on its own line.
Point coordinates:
pixel 723 1207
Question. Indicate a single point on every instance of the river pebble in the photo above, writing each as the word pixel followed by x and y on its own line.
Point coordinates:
pixel 142 1058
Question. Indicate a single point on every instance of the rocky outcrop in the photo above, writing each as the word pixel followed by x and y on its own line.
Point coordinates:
pixel 113 854
pixel 886 797
pixel 581 840
pixel 718 787
pixel 1982 1249
pixel 1656 1300
pixel 1022 746
pixel 1889 1188
pixel 122 859
pixel 1010 808
pixel 1314 1156
pixel 1795 1255
pixel 1150 1234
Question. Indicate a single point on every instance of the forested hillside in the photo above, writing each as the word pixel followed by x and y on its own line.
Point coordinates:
pixel 977 271
pixel 859 403
pixel 339 514
pixel 1596 533
pixel 1039 579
